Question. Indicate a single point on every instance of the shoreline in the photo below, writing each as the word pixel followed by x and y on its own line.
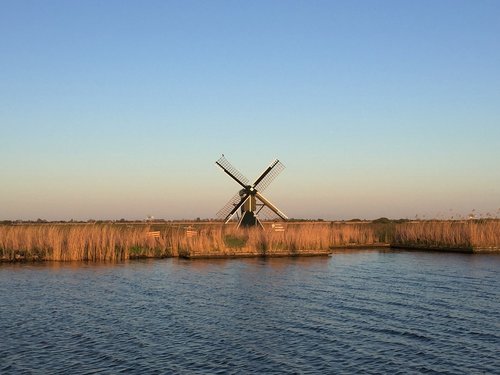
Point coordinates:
pixel 445 249
pixel 275 254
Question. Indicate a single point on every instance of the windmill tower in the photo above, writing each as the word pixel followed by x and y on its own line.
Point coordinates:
pixel 249 199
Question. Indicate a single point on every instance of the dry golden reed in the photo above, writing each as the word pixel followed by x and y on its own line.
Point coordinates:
pixel 119 242
pixel 227 240
pixel 474 234
pixel 112 242
pixel 70 242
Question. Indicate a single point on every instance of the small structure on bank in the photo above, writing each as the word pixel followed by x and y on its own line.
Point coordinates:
pixel 249 199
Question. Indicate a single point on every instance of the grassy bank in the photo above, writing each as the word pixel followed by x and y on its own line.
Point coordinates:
pixel 110 242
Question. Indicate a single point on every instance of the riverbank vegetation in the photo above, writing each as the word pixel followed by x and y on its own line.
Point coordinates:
pixel 111 242
pixel 480 235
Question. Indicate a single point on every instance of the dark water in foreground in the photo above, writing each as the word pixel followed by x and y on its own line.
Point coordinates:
pixel 356 312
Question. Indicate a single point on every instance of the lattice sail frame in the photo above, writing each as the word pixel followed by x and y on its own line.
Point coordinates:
pixel 229 206
pixel 265 208
pixel 236 174
pixel 265 213
pixel 277 168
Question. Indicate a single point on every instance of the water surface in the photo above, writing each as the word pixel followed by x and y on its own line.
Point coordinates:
pixel 354 312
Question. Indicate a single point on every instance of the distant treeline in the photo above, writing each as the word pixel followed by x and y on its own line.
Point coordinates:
pixel 381 220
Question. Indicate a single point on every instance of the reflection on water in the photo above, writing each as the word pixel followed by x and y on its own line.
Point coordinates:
pixel 370 312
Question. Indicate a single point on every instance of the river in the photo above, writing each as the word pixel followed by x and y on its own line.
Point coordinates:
pixel 354 312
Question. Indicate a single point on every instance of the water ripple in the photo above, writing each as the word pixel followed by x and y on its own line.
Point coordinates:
pixel 356 312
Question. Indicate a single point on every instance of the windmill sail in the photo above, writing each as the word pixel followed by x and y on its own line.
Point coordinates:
pixel 249 199
pixel 269 175
pixel 232 171
pixel 271 206
pixel 229 206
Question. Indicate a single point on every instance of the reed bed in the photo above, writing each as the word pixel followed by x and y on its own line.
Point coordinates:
pixel 472 235
pixel 115 242
pixel 297 238
pixel 71 242
pixel 120 242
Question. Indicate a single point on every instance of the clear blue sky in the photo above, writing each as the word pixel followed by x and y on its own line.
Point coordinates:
pixel 119 109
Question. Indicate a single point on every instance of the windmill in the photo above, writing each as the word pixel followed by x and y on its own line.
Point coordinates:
pixel 250 199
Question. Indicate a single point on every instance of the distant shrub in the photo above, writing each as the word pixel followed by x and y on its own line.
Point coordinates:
pixel 381 220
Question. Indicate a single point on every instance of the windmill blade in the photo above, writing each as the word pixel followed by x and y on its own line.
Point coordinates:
pixel 236 208
pixel 232 171
pixel 260 197
pixel 268 175
pixel 228 207
pixel 266 214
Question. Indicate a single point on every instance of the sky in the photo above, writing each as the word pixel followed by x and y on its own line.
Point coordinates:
pixel 119 109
